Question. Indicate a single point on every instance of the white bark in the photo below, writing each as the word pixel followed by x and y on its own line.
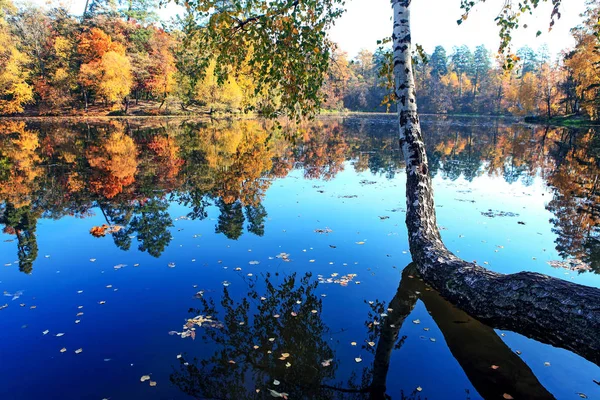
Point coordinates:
pixel 532 304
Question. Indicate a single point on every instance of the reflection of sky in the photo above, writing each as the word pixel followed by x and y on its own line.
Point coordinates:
pixel 152 299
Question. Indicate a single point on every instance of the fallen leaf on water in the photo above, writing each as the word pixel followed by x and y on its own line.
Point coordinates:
pixel 419 389
pixel 416 321
pixel 285 355
pixel 102 302
pixel 360 242
pixel 59 334
pixel 327 363
pixel 353 343
pixel 145 378
pixel 277 394
pixel 46 332
pixel 287 365
pixel 582 395
pixel 546 364
pixel 358 359
pixel 507 396
pixel 63 349
pixel 231 362
pixel 78 351
pixel 371 344
pixel 494 367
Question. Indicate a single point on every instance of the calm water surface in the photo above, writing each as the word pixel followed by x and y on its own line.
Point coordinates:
pixel 225 260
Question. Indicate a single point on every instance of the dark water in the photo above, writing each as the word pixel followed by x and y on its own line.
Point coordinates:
pixel 226 260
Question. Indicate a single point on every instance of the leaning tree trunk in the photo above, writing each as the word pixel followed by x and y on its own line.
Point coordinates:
pixel 534 304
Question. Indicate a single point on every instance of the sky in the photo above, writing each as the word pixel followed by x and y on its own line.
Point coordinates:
pixel 433 23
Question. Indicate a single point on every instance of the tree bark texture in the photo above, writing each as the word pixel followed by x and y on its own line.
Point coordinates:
pixel 551 310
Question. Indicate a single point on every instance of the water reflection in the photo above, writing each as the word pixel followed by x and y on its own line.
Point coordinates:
pixel 273 340
pixel 131 173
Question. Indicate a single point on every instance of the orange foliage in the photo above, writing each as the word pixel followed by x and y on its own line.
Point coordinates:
pixel 19 148
pixel 115 164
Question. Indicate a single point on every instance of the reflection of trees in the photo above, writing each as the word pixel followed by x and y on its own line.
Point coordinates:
pixel 128 173
pixel 151 223
pixel 19 173
pixel 322 150
pixel 22 223
pixel 231 219
pixel 575 204
pixel 249 351
pixel 258 331
pixel 119 168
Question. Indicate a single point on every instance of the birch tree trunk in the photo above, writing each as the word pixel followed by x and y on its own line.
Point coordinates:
pixel 533 304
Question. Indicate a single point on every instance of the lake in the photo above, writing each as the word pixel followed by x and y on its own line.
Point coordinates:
pixel 164 259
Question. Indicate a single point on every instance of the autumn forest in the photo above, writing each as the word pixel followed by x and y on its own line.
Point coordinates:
pixel 121 59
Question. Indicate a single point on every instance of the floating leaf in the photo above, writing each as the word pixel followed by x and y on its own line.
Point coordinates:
pixel 277 394
pixel 145 378
pixel 327 363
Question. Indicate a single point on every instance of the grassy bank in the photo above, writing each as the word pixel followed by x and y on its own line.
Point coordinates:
pixel 570 121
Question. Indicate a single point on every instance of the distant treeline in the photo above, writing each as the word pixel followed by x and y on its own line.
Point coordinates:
pixel 119 53
pixel 465 81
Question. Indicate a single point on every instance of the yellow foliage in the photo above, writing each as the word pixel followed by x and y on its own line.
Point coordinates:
pixel 228 96
pixel 116 78
pixel 19 147
pixel 14 90
pixel 585 65
pixel 110 77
